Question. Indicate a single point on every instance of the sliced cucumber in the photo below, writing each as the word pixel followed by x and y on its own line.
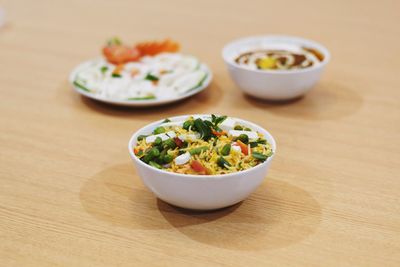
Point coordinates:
pixel 142 97
pixel 189 63
pixel 190 81
pixel 81 86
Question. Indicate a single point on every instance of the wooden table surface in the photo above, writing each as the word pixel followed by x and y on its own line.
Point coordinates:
pixel 69 195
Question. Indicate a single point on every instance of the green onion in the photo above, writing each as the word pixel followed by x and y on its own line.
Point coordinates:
pixel 198 150
pixel 151 77
pixel 226 150
pixel 116 75
pixel 166 120
pixel 159 130
pixel 238 127
pixel 247 129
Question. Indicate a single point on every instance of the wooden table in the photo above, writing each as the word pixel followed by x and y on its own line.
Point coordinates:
pixel 69 195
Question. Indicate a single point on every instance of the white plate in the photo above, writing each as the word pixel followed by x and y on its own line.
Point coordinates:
pixel 140 103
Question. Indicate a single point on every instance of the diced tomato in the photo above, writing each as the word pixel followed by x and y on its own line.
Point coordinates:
pixel 119 54
pixel 214 132
pixel 243 147
pixel 178 142
pixel 136 151
pixel 198 167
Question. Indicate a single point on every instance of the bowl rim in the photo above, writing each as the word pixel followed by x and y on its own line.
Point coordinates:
pixel 313 44
pixel 133 139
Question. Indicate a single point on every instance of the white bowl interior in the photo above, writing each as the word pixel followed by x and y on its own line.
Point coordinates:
pixel 237 47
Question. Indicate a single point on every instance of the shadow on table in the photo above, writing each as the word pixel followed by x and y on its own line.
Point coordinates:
pixel 276 215
pixel 326 101
pixel 196 104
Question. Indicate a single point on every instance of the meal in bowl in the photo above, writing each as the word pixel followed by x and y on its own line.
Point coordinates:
pixel 201 145
pixel 294 57
pixel 145 71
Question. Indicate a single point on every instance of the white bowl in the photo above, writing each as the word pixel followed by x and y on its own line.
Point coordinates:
pixel 273 84
pixel 200 192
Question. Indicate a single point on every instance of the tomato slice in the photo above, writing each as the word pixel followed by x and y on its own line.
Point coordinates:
pixel 120 54
pixel 198 167
pixel 243 147
pixel 154 48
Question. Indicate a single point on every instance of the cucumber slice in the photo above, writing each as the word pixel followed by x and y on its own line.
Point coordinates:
pixel 190 81
pixel 142 98
pixel 189 63
pixel 81 86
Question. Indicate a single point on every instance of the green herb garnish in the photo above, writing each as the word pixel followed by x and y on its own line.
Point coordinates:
pixel 103 69
pixel 151 77
pixel 203 129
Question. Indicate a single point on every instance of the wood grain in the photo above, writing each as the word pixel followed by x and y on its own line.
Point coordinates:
pixel 69 195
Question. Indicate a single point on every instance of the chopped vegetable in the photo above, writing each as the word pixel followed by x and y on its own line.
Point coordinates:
pixel 104 69
pixel 226 150
pixel 203 129
pixel 141 137
pixel 154 164
pixel 154 48
pixel 244 138
pixel 159 130
pixel 119 54
pixel 259 156
pixel 198 167
pixel 198 150
pixel 178 142
pixel 243 147
pixel 223 163
pixel 151 77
